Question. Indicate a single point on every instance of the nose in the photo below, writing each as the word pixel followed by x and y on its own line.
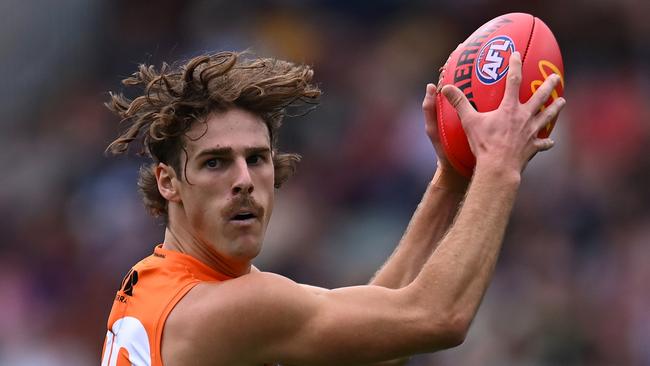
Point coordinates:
pixel 243 182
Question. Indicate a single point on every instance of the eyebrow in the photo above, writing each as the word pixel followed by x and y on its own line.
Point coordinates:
pixel 228 151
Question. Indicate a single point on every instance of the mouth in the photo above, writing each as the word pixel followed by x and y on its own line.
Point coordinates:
pixel 243 212
pixel 244 217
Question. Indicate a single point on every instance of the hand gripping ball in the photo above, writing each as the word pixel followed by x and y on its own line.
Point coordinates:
pixel 479 66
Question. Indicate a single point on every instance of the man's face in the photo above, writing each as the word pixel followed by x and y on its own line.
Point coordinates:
pixel 227 191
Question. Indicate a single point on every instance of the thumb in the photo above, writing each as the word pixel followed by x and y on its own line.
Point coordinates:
pixel 429 103
pixel 458 100
pixel 544 144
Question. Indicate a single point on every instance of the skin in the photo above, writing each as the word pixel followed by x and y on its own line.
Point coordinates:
pixel 229 169
pixel 422 300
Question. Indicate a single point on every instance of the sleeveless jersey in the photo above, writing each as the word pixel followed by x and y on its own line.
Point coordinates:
pixel 147 295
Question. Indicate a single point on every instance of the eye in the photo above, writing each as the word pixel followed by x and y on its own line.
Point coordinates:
pixel 212 163
pixel 255 159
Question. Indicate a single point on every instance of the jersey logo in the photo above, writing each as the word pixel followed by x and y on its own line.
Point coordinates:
pixel 127 341
pixel 129 281
pixel 491 65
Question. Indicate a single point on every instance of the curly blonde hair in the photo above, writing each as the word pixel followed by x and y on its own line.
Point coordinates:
pixel 173 99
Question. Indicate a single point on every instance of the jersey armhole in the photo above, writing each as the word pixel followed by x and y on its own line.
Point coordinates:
pixel 160 326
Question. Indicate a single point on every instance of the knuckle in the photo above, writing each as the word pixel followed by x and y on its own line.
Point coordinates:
pixel 552 112
pixel 550 81
pixel 513 106
pixel 510 108
pixel 456 100
pixel 547 114
pixel 514 78
pixel 554 108
pixel 556 79
pixel 546 90
pixel 531 131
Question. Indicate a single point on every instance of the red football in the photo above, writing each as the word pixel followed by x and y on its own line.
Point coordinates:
pixel 479 66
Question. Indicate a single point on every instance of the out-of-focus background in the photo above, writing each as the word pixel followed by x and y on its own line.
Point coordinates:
pixel 571 287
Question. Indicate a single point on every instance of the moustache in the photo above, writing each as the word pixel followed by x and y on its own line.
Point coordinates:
pixel 244 202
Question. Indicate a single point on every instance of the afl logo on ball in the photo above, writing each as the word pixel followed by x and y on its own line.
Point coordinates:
pixel 491 63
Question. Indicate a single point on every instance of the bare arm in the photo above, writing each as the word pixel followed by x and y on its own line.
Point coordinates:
pixel 430 222
pixel 267 318
pixel 262 317
pixel 478 231
pixel 433 216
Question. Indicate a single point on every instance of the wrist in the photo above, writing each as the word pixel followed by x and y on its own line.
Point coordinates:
pixel 449 179
pixel 497 171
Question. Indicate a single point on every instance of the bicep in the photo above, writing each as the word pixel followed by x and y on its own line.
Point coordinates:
pixel 279 320
pixel 355 325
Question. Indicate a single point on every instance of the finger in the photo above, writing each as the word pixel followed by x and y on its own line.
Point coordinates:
pixel 513 80
pixel 429 103
pixel 543 144
pixel 549 114
pixel 458 100
pixel 429 109
pixel 543 93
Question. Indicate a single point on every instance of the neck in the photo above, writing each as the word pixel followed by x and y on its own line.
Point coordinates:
pixel 183 242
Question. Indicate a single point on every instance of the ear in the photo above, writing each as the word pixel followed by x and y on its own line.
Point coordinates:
pixel 167 183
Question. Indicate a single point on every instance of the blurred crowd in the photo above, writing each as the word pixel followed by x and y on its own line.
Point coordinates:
pixel 571 286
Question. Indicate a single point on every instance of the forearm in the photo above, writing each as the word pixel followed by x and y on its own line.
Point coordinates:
pixel 429 223
pixel 456 276
pixel 365 324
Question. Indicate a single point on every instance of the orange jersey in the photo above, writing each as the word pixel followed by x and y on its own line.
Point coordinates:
pixel 147 295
